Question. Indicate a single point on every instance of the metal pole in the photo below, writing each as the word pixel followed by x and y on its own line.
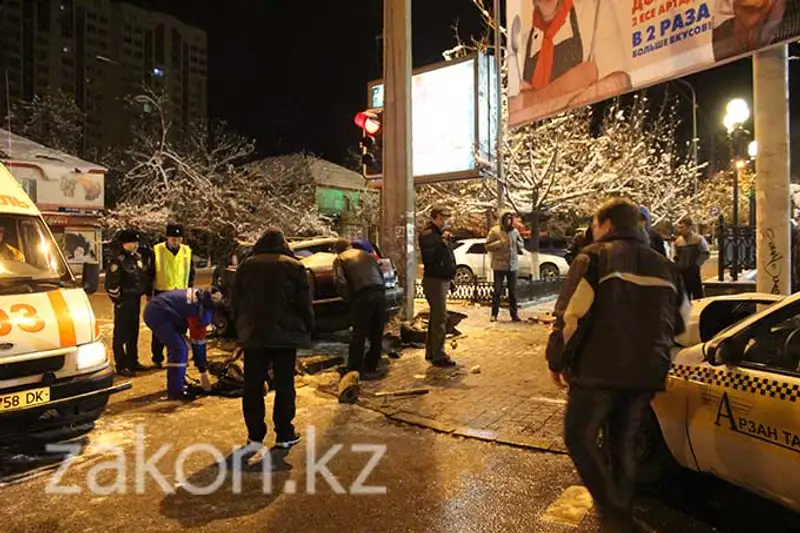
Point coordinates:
pixel 735 227
pixel 398 195
pixel 498 56
pixel 8 111
pixel 773 210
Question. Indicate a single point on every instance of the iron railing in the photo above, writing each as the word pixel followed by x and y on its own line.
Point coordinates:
pixel 481 291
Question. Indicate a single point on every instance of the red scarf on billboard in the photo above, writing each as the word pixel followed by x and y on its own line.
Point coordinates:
pixel 544 63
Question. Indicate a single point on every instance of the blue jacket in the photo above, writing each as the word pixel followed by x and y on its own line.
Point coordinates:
pixel 176 307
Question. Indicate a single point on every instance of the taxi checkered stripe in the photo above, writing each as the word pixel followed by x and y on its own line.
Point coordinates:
pixel 738 382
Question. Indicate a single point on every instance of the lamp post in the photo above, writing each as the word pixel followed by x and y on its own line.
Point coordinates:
pixel 737 113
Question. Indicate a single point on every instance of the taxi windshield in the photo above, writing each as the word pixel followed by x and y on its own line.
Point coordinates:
pixel 28 253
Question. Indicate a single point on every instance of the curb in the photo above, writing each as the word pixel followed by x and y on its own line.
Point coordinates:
pixel 555 447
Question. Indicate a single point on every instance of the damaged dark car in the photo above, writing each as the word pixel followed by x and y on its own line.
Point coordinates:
pixel 332 313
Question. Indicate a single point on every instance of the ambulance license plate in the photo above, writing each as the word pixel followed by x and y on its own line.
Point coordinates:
pixel 20 400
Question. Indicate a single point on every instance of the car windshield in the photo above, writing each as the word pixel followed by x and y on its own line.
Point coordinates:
pixel 28 253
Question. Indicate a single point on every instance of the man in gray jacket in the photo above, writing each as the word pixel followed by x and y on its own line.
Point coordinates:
pixel 505 244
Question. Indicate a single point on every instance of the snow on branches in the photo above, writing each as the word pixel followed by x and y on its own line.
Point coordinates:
pixel 562 167
pixel 204 179
pixel 52 119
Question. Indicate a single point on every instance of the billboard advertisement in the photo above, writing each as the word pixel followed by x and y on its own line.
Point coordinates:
pixel 450 114
pixel 568 53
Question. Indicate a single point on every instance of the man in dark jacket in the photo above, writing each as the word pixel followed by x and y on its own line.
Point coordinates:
pixel 359 281
pixel 272 307
pixel 655 239
pixel 126 282
pixel 621 306
pixel 440 267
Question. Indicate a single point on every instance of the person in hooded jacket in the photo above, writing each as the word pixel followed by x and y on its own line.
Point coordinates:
pixel 505 243
pixel 273 310
pixel 655 239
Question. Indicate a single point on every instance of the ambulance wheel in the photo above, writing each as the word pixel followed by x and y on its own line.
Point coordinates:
pixel 654 461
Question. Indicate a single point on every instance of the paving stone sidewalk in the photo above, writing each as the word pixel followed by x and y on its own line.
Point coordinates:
pixel 499 392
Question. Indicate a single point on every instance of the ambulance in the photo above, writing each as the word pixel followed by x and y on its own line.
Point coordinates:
pixel 732 404
pixel 55 376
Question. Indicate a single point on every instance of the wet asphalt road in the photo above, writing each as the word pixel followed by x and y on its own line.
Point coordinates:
pixel 433 482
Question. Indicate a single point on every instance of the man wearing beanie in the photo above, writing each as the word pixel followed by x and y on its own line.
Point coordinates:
pixel 656 240
pixel 126 282
pixel 171 269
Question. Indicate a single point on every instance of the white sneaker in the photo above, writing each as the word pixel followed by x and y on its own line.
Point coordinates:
pixel 258 456
pixel 205 383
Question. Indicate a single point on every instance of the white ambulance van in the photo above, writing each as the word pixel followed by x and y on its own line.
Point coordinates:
pixel 55 376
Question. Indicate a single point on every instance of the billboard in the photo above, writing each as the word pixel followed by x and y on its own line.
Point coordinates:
pixel 451 114
pixel 568 53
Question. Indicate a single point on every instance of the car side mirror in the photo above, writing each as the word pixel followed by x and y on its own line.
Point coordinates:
pixel 721 353
pixel 91 277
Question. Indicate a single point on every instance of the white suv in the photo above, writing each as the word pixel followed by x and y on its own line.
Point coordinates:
pixel 473 263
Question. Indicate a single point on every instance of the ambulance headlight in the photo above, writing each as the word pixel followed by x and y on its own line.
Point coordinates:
pixel 91 355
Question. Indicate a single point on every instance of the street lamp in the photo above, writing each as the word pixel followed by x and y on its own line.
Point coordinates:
pixel 737 113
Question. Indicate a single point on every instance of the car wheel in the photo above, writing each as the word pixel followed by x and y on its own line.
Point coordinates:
pixel 464 276
pixel 549 272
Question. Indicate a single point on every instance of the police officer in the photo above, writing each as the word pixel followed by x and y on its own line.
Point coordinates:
pixel 126 282
pixel 170 269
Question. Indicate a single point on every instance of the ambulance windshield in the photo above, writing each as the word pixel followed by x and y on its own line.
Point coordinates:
pixel 28 253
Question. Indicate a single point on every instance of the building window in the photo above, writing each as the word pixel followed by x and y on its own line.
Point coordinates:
pixel 29 186
pixel 43 15
pixel 159 44
pixel 66 19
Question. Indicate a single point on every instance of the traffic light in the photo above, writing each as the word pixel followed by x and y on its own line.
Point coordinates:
pixel 371 125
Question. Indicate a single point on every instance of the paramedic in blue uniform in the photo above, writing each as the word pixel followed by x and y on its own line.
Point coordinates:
pixel 169 315
pixel 126 282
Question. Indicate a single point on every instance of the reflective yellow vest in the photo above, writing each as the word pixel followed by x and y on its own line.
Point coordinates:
pixel 172 270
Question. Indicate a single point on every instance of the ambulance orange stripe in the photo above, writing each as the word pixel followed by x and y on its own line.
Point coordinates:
pixel 66 327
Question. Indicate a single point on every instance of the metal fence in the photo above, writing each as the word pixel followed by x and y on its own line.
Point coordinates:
pixel 737 248
pixel 482 291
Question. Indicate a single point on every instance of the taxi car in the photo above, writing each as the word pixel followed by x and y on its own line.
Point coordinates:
pixel 732 404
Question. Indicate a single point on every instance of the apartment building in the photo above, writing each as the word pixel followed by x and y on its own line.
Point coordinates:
pixel 102 51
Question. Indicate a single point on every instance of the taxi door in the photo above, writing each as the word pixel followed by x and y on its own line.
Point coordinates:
pixel 747 427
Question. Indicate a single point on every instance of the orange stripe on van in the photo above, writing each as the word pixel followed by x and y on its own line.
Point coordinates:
pixel 66 326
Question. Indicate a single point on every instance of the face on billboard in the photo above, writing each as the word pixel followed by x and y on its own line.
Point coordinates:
pixel 752 12
pixel 547 8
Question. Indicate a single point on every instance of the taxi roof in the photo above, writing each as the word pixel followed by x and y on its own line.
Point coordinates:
pixel 13 199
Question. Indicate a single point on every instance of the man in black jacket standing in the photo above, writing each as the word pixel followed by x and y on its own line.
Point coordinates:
pixel 272 307
pixel 440 267
pixel 621 306
pixel 359 281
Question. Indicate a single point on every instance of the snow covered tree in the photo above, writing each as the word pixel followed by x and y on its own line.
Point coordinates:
pixel 52 119
pixel 205 179
pixel 560 166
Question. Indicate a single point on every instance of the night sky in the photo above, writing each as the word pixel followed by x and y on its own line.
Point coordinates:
pixel 292 74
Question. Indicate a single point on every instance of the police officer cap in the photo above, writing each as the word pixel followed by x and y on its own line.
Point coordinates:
pixel 128 235
pixel 174 230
